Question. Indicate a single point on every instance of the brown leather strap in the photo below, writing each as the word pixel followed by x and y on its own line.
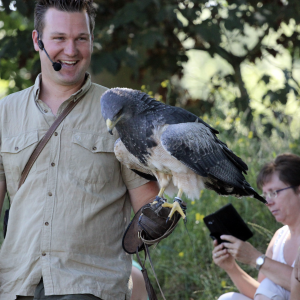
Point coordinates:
pixel 42 143
pixel 149 287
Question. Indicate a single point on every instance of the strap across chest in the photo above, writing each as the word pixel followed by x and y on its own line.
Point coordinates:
pixel 42 143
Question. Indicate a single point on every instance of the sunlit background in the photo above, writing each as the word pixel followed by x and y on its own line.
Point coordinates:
pixel 233 63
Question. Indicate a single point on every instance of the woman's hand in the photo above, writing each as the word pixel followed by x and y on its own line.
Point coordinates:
pixel 242 251
pixel 222 258
pixel 297 266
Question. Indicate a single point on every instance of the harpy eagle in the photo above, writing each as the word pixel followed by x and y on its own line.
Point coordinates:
pixel 171 145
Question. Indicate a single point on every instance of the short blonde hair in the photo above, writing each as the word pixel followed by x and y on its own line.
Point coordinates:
pixel 42 6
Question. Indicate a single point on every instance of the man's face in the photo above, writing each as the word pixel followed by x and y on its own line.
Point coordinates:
pixel 68 40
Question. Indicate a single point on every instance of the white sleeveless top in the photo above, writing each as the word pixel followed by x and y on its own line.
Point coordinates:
pixel 279 245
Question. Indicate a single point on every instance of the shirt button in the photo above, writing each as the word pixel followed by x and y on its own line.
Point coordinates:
pixel 45 111
pixel 53 164
pixel 55 133
pixel 94 148
pixel 46 223
pixel 50 194
pixel 17 148
pixel 43 254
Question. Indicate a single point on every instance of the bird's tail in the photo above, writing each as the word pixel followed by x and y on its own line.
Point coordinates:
pixel 258 197
pixel 252 193
pixel 244 189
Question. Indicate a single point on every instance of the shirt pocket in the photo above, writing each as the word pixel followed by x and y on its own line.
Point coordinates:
pixel 16 152
pixel 92 158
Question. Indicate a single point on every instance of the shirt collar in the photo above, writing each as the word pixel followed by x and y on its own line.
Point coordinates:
pixel 74 97
pixel 36 87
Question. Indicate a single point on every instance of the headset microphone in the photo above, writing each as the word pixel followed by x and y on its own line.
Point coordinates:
pixel 56 66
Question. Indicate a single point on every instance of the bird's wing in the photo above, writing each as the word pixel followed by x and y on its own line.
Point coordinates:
pixel 175 115
pixel 167 114
pixel 194 145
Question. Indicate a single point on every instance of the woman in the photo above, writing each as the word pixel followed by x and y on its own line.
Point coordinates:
pixel 280 182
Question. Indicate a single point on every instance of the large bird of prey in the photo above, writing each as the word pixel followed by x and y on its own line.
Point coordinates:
pixel 171 145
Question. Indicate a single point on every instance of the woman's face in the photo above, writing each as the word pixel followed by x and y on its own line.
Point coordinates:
pixel 286 206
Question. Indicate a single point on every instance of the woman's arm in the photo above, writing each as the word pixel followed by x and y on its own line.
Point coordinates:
pixel 297 266
pixel 244 252
pixel 295 279
pixel 244 282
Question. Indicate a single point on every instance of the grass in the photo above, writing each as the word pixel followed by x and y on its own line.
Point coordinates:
pixel 183 262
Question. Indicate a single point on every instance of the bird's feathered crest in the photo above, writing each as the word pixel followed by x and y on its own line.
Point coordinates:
pixel 140 101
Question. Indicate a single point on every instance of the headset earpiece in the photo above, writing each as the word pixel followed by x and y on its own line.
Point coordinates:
pixel 41 44
pixel 56 65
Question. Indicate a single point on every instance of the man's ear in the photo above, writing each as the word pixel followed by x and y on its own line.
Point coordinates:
pixel 35 40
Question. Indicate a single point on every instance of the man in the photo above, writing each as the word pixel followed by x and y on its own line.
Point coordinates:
pixel 67 220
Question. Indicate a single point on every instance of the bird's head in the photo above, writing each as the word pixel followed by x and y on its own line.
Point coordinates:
pixel 118 105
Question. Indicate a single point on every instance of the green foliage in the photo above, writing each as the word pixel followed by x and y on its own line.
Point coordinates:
pixel 154 37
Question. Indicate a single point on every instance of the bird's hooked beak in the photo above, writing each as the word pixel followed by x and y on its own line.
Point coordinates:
pixel 110 126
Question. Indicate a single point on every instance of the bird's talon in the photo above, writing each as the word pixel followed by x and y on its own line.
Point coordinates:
pixel 175 206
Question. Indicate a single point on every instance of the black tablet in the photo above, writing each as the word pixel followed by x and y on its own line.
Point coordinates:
pixel 226 220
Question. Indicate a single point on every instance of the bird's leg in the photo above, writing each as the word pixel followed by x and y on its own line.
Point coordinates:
pixel 179 194
pixel 160 195
pixel 175 206
pixel 164 180
pixel 161 192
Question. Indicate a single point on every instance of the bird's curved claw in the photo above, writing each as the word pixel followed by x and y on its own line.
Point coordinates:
pixel 178 205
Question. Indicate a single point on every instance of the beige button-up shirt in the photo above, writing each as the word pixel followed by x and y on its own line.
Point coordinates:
pixel 67 220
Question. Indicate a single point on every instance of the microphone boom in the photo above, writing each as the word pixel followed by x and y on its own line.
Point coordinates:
pixel 56 65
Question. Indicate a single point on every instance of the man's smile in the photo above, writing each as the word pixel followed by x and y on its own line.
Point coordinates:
pixel 68 62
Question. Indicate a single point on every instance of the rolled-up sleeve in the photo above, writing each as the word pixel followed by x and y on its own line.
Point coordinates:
pixel 131 179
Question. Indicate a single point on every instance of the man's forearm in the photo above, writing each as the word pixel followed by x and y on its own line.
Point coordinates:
pixel 143 195
pixel 2 193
